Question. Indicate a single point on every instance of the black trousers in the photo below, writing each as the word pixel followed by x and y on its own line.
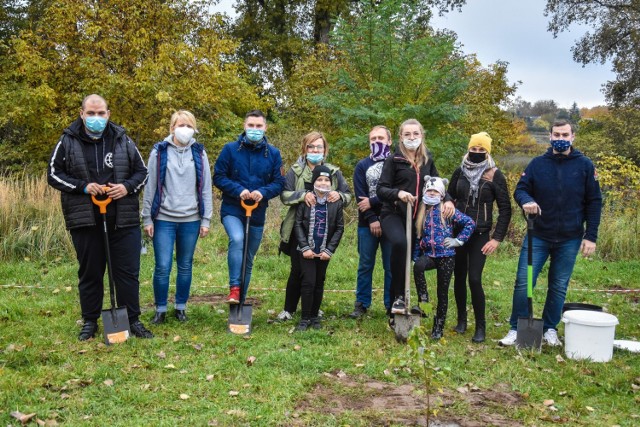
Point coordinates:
pixel 393 229
pixel 124 246
pixel 444 267
pixel 292 294
pixel 470 263
pixel 314 272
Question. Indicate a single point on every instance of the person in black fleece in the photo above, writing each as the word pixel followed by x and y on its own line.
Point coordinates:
pixel 93 154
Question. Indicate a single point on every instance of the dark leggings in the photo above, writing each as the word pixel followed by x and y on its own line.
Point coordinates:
pixel 394 231
pixel 470 261
pixel 292 294
pixel 314 272
pixel 444 267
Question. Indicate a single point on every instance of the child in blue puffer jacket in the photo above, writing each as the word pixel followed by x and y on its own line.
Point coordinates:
pixel 435 246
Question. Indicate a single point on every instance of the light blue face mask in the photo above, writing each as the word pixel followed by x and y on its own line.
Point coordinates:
pixel 254 135
pixel 431 200
pixel 95 124
pixel 315 158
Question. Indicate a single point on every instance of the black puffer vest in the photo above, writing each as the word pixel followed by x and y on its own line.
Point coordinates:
pixel 78 209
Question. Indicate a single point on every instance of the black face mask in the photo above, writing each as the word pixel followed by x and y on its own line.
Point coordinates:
pixel 477 157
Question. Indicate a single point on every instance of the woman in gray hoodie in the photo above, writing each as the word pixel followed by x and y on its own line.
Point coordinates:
pixel 176 210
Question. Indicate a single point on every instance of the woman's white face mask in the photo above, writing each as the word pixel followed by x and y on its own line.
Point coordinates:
pixel 412 144
pixel 183 134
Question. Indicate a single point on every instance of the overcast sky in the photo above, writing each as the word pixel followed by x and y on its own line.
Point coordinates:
pixel 516 31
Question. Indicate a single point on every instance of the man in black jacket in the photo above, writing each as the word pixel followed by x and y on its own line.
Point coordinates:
pixel 93 154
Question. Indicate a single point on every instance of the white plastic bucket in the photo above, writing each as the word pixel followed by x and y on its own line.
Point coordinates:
pixel 589 335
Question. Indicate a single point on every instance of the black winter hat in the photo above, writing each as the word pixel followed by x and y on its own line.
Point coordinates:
pixel 321 170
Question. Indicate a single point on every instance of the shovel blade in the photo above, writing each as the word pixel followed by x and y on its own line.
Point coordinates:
pixel 240 319
pixel 404 323
pixel 115 322
pixel 529 333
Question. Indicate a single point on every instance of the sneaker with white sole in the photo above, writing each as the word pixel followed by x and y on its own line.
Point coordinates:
pixel 284 316
pixel 509 339
pixel 551 338
pixel 398 306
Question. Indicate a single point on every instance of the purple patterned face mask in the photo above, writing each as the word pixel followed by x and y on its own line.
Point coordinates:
pixel 379 151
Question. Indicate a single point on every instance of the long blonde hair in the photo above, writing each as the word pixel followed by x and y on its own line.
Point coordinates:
pixel 421 157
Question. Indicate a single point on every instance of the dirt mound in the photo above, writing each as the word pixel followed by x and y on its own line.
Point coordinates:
pixel 382 404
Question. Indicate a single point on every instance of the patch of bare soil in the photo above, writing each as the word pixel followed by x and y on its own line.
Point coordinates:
pixel 384 404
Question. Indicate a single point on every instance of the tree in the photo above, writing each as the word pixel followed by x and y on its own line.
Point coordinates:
pixel 275 34
pixel 574 113
pixel 146 58
pixel 615 37
pixel 384 65
pixel 544 106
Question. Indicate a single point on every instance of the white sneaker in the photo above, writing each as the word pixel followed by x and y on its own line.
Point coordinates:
pixel 509 339
pixel 284 316
pixel 551 338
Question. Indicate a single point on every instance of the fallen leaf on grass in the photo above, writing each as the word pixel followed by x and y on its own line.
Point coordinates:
pixel 176 338
pixel 463 390
pixel 297 347
pixel 145 386
pixel 237 413
pixel 386 372
pixel 562 393
pixel 197 347
pixel 82 351
pixel 271 312
pixel 251 360
pixel 209 377
pixel 184 396
pixel 341 374
pixel 161 355
pixel 46 423
pixel 67 288
pixel 56 291
pixel 64 396
pixel 359 365
pixel 559 359
pixel 234 393
pixel 183 371
pixel 548 402
pixel 23 418
pixel 108 383
pixel 552 408
pixel 170 366
pixel 589 408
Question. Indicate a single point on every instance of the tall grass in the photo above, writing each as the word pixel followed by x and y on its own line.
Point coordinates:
pixel 31 223
pixel 32 226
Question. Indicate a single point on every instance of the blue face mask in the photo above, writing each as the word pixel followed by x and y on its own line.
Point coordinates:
pixel 431 200
pixel 95 124
pixel 254 135
pixel 315 158
pixel 560 145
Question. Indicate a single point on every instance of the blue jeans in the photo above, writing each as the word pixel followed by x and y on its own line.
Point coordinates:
pixel 562 260
pixel 367 248
pixel 165 234
pixel 234 227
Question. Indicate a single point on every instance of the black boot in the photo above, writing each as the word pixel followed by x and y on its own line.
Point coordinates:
pixel 359 310
pixel 461 327
pixel 479 336
pixel 438 328
pixel 159 317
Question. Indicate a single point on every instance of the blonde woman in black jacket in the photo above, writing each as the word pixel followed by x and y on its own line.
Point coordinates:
pixel 475 185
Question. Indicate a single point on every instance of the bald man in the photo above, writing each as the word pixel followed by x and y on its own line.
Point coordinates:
pixel 93 154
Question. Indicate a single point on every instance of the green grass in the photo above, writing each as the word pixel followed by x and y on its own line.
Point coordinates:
pixel 45 370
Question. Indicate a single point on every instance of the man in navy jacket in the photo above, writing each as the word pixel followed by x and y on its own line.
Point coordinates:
pixel 248 169
pixel 561 189
pixel 365 181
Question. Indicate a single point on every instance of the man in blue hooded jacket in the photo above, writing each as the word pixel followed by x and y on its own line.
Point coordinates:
pixel 561 189
pixel 248 169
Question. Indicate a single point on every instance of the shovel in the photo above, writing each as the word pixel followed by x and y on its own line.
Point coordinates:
pixel 529 329
pixel 407 321
pixel 240 314
pixel 115 321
